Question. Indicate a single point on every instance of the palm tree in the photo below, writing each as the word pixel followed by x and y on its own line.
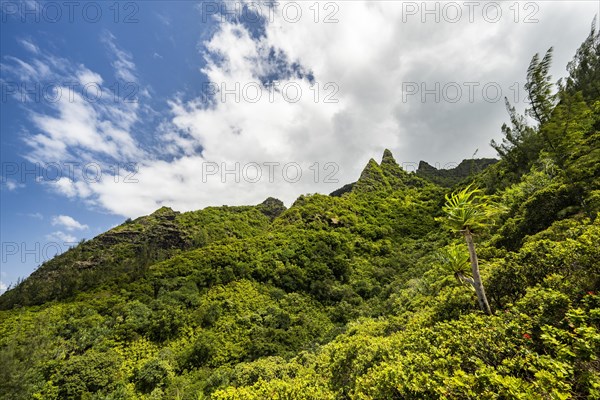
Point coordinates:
pixel 455 260
pixel 467 211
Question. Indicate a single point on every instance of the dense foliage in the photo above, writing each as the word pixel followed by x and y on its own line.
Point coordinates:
pixel 361 295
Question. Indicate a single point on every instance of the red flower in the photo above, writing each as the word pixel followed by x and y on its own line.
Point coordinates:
pixel 527 336
pixel 591 293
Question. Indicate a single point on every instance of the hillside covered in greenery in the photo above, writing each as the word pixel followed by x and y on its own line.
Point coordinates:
pixel 364 294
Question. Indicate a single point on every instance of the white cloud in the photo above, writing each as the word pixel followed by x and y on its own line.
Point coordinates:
pixel 29 46
pixel 32 71
pixel 36 215
pixel 86 122
pixel 61 237
pixel 123 61
pixel 366 58
pixel 165 20
pixel 12 185
pixel 89 78
pixel 71 188
pixel 64 186
pixel 82 124
pixel 3 285
pixel 68 223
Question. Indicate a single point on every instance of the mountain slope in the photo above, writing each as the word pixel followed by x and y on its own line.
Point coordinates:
pixel 126 251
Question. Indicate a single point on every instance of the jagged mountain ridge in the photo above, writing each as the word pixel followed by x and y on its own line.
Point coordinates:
pixel 136 244
pixel 132 247
pixel 449 177
pixel 390 174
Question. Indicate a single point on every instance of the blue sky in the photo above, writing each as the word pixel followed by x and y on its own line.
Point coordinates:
pixel 30 211
pixel 190 104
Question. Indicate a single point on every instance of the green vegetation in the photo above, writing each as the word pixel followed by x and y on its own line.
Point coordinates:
pixel 466 211
pixel 361 295
pixel 450 177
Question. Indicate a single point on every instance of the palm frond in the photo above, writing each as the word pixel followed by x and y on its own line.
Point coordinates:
pixel 469 209
pixel 454 259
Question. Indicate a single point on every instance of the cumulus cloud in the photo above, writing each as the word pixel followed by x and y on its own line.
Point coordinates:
pixel 67 222
pixel 64 186
pixel 61 237
pixel 305 104
pixel 3 287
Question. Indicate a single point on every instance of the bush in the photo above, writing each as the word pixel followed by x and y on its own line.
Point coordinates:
pixel 154 374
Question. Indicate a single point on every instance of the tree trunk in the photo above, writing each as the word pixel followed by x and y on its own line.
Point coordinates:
pixel 477 284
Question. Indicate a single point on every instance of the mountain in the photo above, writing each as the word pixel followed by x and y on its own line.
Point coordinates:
pixel 125 252
pixel 390 174
pixel 364 294
pixel 452 176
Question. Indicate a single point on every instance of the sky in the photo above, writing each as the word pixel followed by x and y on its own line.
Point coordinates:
pixel 110 110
